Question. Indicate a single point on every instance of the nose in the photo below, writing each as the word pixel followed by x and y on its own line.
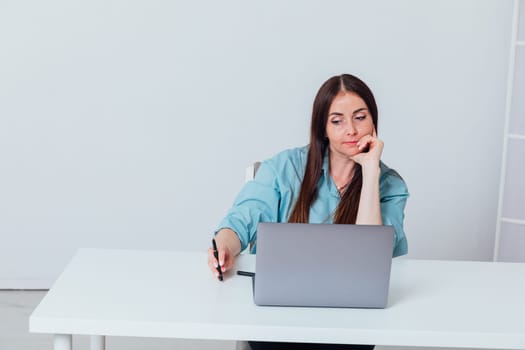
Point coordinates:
pixel 350 129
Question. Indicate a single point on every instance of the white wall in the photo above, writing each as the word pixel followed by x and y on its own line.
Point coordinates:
pixel 130 123
pixel 510 228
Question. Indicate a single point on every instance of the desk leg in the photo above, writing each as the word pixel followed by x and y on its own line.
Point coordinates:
pixel 98 342
pixel 63 342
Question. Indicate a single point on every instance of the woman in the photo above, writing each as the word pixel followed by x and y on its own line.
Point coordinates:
pixel 338 178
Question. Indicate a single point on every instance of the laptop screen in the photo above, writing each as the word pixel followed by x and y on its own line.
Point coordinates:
pixel 325 265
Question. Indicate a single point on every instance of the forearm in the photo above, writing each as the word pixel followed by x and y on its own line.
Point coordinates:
pixel 228 239
pixel 369 210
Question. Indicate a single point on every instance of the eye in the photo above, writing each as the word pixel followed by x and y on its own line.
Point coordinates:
pixel 336 121
pixel 360 117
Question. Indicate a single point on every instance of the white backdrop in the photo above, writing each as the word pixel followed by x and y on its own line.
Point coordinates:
pixel 129 123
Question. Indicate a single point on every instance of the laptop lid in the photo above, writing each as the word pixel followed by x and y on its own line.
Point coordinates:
pixel 325 265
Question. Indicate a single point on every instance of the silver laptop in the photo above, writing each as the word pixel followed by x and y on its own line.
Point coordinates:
pixel 325 265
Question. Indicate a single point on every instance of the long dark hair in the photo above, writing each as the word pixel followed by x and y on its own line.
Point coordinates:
pixel 346 212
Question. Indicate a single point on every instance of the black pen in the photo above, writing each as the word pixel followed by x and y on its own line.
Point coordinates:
pixel 216 255
pixel 246 273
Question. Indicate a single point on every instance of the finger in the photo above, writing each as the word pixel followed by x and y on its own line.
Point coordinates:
pixel 222 258
pixel 211 258
pixel 364 141
pixel 228 263
pixel 357 158
pixel 212 268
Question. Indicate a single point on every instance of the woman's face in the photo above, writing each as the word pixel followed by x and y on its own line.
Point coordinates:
pixel 348 120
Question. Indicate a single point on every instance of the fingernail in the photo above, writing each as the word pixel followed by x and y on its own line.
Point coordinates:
pixel 215 264
pixel 222 263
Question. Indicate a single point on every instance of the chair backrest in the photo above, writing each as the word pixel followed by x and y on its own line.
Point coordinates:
pixel 251 171
pixel 250 175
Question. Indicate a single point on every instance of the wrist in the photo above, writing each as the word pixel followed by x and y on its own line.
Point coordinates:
pixel 371 169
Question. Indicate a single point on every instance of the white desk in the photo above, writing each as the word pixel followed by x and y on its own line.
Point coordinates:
pixel 173 295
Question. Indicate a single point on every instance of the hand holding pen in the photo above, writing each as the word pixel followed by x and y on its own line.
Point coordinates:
pixel 219 259
pixel 218 263
pixel 222 255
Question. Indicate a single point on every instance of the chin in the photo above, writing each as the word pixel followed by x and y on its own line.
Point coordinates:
pixel 351 154
pixel 346 153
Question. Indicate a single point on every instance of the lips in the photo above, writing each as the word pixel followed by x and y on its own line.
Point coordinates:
pixel 350 143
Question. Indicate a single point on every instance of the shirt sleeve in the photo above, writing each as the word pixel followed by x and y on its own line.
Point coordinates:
pixel 394 195
pixel 258 201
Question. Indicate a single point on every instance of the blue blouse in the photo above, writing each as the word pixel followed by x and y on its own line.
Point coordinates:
pixel 270 197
